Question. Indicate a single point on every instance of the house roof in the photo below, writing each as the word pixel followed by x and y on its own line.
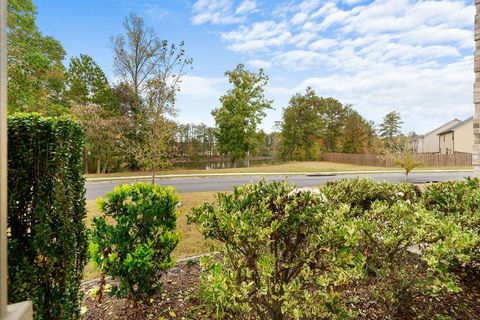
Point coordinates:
pixel 455 126
pixel 443 125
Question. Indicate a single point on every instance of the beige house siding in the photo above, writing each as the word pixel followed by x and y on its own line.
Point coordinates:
pixel 464 138
pixel 429 142
pixel 446 143
pixel 459 139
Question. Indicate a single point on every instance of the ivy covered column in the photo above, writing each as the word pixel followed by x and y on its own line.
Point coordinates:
pixel 476 94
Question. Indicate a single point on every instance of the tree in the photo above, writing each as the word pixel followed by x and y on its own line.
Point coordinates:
pixel 242 110
pixel 150 70
pixel 358 134
pixel 146 63
pixel 87 84
pixel 334 115
pixel 103 131
pixel 390 129
pixel 156 150
pixel 300 128
pixel 35 69
pixel 311 125
pixel 404 156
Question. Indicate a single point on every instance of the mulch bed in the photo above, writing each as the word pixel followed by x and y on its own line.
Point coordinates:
pixel 464 305
pixel 176 301
pixel 173 303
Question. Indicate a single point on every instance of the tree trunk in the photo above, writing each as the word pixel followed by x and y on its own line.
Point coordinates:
pixel 85 160
pixel 99 168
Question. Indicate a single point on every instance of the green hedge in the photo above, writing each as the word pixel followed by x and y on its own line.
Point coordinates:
pixel 47 241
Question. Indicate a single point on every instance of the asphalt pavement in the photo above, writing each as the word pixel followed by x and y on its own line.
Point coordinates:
pixel 226 183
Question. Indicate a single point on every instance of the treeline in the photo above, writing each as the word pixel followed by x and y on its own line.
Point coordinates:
pixel 311 125
pixel 130 124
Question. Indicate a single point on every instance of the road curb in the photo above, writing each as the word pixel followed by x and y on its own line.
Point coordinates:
pixel 233 174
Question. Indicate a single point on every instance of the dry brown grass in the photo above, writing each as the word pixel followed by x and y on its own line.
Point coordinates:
pixel 293 166
pixel 191 243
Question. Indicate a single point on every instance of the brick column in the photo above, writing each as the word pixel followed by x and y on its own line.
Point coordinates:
pixel 476 94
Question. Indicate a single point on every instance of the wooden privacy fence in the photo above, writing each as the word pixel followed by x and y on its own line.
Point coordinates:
pixel 427 160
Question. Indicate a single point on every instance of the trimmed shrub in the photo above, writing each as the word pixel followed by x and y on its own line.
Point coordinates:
pixel 285 253
pixel 458 204
pixel 360 193
pixel 47 237
pixel 132 242
pixel 394 235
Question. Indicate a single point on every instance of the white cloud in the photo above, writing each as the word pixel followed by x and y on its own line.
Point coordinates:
pixel 323 44
pixel 202 86
pixel 414 55
pixel 300 59
pixel 299 18
pixel 259 64
pixel 246 6
pixel 419 94
pixel 258 37
pixel 213 11
pixel 222 11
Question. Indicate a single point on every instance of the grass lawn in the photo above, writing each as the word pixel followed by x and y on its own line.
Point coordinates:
pixel 294 166
pixel 191 242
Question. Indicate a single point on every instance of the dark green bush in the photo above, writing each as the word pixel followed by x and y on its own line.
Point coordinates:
pixel 47 241
pixel 134 239
pixel 285 253
pixel 360 193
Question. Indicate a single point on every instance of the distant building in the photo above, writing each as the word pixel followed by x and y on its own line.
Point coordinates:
pixel 458 138
pixel 429 143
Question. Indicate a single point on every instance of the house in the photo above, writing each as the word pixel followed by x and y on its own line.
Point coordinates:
pixel 458 138
pixel 429 143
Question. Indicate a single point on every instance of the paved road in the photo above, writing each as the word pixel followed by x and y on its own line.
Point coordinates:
pixel 226 183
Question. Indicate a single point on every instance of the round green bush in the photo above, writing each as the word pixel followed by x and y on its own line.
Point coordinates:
pixel 132 242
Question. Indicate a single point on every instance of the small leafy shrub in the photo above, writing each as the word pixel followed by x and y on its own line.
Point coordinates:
pixel 47 240
pixel 409 248
pixel 285 253
pixel 360 193
pixel 214 291
pixel 457 199
pixel 458 203
pixel 394 236
pixel 134 239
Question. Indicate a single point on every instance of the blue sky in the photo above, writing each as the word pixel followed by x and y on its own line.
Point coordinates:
pixel 412 56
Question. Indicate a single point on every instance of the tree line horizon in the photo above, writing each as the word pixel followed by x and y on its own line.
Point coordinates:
pixel 131 124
